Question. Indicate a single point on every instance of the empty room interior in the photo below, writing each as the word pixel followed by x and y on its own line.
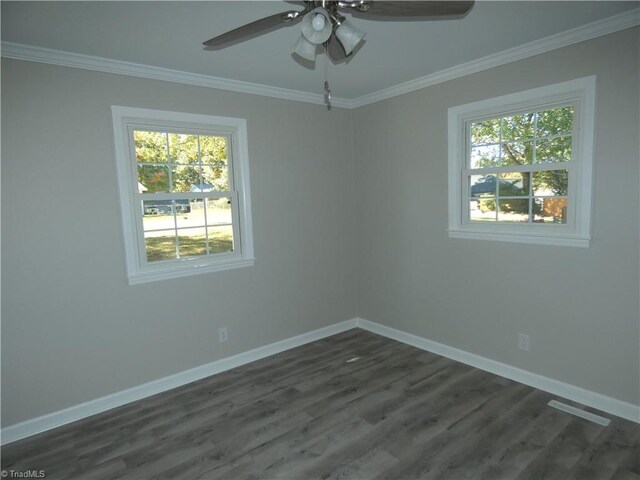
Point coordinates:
pixel 320 239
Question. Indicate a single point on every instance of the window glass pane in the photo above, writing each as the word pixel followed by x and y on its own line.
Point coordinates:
pixel 555 121
pixel 482 185
pixel 213 150
pixel 160 245
pixel 205 186
pixel 518 127
pixel 151 147
pixel 485 156
pixel 216 178
pixel 189 213
pixel 485 132
pixel 520 153
pixel 482 210
pixel 160 235
pixel 220 239
pixel 513 184
pixel 192 242
pixel 157 214
pixel 183 148
pixel 553 150
pixel 218 211
pixel 153 179
pixel 185 178
pixel 513 210
pixel 551 182
pixel 550 210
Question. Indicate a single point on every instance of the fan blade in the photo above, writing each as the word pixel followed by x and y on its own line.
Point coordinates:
pixel 256 28
pixel 409 9
pixel 335 50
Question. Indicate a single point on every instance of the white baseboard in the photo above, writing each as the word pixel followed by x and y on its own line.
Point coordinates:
pixel 56 419
pixel 604 403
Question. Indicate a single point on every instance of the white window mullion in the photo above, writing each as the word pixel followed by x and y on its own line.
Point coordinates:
pixel 205 201
pixel 175 226
pixel 169 163
pixel 533 162
pixel 205 205
pixel 497 197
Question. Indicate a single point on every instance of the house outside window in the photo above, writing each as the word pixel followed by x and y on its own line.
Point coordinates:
pixel 184 193
pixel 520 166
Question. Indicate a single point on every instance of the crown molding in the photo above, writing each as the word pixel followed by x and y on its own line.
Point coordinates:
pixel 624 20
pixel 30 53
pixel 585 32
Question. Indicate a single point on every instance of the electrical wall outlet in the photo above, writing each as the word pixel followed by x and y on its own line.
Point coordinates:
pixel 222 334
pixel 523 342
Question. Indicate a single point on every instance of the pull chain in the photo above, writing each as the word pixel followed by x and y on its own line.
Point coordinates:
pixel 327 91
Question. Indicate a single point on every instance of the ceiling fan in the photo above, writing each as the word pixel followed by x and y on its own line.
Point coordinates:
pixel 323 23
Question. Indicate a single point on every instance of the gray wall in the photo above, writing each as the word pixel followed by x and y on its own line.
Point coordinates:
pixel 72 328
pixel 580 306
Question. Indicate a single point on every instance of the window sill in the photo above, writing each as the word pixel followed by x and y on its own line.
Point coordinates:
pixel 187 271
pixel 554 240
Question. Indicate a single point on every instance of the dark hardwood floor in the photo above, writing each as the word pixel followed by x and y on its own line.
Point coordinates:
pixel 355 405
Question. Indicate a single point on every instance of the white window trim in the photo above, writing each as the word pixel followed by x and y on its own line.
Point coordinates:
pixel 581 92
pixel 137 270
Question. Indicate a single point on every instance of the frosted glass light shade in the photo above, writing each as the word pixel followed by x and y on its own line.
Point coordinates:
pixel 310 25
pixel 305 48
pixel 318 23
pixel 349 36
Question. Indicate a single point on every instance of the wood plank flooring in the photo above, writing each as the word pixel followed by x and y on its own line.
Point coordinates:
pixel 354 405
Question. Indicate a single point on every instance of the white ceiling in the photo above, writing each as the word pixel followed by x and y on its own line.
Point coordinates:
pixel 170 35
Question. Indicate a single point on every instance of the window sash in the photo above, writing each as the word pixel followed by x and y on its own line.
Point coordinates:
pixel 530 197
pixel 571 166
pixel 468 145
pixel 143 263
pixel 182 131
pixel 161 264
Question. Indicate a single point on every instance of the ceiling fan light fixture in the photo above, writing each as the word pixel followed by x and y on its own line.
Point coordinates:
pixel 316 26
pixel 305 49
pixel 349 36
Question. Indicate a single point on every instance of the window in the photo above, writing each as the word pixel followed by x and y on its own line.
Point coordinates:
pixel 520 166
pixel 184 193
